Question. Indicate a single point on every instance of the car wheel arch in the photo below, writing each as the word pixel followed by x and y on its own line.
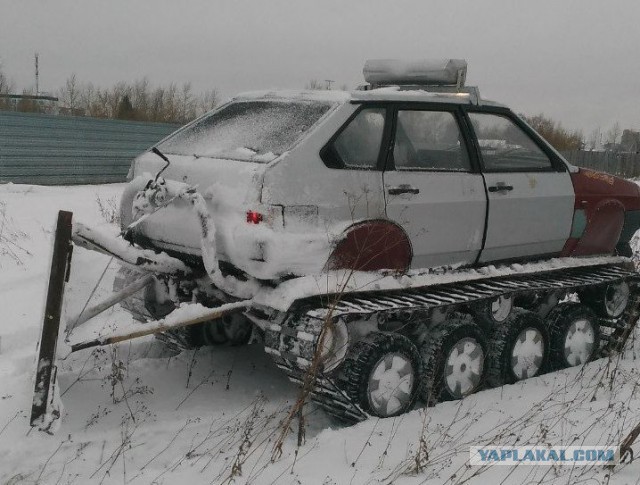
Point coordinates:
pixel 372 245
pixel 604 225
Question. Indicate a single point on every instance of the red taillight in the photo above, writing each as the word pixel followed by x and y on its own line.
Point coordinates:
pixel 254 217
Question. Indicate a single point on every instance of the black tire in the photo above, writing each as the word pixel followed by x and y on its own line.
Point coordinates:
pixel 569 319
pixel 207 334
pixel 487 316
pixel 522 329
pixel 142 305
pixel 232 329
pixel 440 342
pixel 624 249
pixel 237 328
pixel 602 299
pixel 362 360
pixel 135 304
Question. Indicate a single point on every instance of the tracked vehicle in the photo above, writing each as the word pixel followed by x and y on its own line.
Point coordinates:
pixel 406 240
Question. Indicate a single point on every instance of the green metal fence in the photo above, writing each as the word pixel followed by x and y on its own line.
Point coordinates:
pixel 61 150
pixel 622 164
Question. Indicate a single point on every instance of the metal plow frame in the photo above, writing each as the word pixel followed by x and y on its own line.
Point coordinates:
pixel 45 410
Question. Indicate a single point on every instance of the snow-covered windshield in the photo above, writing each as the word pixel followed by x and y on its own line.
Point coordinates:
pixel 256 131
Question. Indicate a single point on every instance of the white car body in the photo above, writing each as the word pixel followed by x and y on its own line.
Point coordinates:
pixel 449 217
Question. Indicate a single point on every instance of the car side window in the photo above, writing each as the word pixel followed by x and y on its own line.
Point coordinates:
pixel 429 140
pixel 358 145
pixel 505 147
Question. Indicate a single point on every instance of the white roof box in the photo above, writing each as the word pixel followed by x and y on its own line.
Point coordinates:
pixel 429 72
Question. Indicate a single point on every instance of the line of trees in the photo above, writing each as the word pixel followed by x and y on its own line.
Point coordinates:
pixel 562 139
pixel 552 131
pixel 137 100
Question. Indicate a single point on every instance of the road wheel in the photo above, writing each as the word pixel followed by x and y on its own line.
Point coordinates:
pixel 518 348
pixel 493 311
pixel 382 374
pixel 454 356
pixel 575 336
pixel 609 301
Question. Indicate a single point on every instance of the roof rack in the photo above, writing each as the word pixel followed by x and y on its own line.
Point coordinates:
pixel 446 76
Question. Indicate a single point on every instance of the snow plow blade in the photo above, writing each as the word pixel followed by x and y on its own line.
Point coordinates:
pixel 46 406
pixel 44 411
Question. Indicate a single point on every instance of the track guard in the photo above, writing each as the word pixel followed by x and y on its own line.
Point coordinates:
pixel 46 408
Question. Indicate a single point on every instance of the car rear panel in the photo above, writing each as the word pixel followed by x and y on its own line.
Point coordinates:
pixel 230 187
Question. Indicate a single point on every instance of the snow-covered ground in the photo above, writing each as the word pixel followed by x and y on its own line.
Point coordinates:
pixel 135 414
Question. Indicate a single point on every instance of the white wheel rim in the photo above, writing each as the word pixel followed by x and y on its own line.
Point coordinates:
pixel 463 367
pixel 579 342
pixel 616 299
pixel 501 307
pixel 391 384
pixel 527 354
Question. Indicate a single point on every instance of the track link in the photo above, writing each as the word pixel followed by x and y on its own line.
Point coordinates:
pixel 291 338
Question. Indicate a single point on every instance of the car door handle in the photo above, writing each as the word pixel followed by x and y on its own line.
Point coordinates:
pixel 403 189
pixel 500 188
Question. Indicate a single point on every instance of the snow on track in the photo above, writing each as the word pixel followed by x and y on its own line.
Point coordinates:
pixel 136 414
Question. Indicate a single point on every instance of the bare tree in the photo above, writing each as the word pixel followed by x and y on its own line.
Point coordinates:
pixel 208 101
pixel 6 87
pixel 27 104
pixel 613 134
pixel 141 98
pixel 316 85
pixel 187 105
pixel 70 94
pixel 594 140
pixel 555 133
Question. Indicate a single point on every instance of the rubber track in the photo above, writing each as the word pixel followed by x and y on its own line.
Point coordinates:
pixel 291 338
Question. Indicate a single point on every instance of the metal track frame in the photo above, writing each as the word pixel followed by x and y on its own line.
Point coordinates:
pixel 291 338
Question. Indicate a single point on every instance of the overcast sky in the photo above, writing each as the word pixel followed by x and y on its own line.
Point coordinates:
pixel 577 61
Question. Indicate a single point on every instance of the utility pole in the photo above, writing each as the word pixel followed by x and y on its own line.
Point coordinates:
pixel 37 76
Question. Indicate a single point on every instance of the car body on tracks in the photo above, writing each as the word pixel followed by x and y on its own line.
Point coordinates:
pixel 405 239
pixel 295 180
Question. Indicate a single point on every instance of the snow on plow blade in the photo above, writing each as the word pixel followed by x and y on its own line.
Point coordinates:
pixel 46 406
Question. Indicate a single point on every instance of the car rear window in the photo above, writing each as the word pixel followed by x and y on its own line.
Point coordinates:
pixel 256 131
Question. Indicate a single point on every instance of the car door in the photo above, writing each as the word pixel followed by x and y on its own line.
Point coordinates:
pixel 531 197
pixel 432 188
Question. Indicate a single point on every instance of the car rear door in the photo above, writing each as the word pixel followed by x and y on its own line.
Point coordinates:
pixel 531 197
pixel 432 186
